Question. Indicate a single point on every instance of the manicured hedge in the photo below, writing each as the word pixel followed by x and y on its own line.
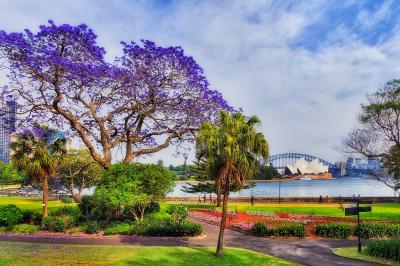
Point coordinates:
pixel 10 215
pixel 379 230
pixel 334 230
pixel 282 230
pixel 24 229
pixel 389 249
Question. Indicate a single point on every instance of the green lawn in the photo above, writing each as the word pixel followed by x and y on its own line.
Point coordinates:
pixel 48 254
pixel 352 253
pixel 386 211
pixel 30 204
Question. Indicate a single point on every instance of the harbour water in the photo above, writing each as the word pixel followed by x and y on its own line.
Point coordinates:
pixel 344 186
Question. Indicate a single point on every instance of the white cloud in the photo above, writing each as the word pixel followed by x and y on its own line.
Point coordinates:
pixel 307 99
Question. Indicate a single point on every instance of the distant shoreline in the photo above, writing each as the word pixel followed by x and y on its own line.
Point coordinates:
pixel 275 180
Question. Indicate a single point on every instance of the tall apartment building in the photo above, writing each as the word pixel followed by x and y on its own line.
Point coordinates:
pixel 7 127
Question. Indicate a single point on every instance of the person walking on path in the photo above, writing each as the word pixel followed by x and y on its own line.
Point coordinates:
pixel 320 199
pixel 204 198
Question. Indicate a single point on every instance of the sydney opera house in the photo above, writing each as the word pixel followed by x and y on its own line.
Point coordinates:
pixel 302 167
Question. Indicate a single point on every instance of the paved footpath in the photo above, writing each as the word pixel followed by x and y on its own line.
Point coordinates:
pixel 306 252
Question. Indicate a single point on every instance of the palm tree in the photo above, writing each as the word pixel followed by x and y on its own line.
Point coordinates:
pixel 232 148
pixel 39 151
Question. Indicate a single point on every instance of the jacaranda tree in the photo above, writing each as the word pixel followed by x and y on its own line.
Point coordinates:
pixel 143 101
pixel 38 152
pixel 233 148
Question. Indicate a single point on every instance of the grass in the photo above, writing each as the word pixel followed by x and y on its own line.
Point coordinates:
pixel 30 204
pixel 351 252
pixel 48 254
pixel 380 211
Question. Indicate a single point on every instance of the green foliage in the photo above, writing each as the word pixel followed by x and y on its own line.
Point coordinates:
pixel 92 227
pixel 67 210
pixel 59 223
pixel 24 229
pixel 3 229
pixel 119 228
pixel 379 230
pixel 86 205
pixel 154 206
pixel 165 228
pixel 388 249
pixel 260 229
pixel 67 200
pixel 131 186
pixel 179 213
pixel 290 230
pixel 266 172
pixel 10 174
pixel 10 215
pixel 282 230
pixel 31 217
pixel 334 230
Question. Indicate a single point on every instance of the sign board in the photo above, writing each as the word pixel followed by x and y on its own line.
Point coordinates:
pixel 355 210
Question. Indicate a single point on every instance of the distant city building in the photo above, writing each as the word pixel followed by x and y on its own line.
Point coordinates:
pixel 301 166
pixel 7 127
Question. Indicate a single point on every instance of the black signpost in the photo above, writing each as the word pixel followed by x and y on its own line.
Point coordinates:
pixel 356 211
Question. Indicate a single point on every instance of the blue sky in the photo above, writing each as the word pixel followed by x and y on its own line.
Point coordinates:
pixel 304 67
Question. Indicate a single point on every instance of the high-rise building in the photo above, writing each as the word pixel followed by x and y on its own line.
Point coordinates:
pixel 7 127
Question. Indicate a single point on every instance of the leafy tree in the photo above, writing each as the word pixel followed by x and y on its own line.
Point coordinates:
pixel 267 172
pixel 377 135
pixel 232 148
pixel 10 174
pixel 160 163
pixel 131 187
pixel 77 172
pixel 38 152
pixel 145 100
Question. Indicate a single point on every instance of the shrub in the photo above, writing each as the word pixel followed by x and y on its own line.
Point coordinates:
pixel 290 230
pixel 166 228
pixel 260 229
pixel 334 230
pixel 67 210
pixel 153 207
pixel 92 227
pixel 379 230
pixel 87 205
pixel 10 215
pixel 389 249
pixel 118 228
pixel 3 229
pixel 59 223
pixel 179 213
pixel 67 200
pixel 31 217
pixel 24 229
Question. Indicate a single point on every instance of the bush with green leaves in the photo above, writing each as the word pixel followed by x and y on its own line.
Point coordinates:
pixel 24 229
pixel 118 228
pixel 334 230
pixel 281 230
pixel 32 217
pixel 179 213
pixel 92 227
pixel 260 229
pixel 87 205
pixel 67 210
pixel 3 229
pixel 166 228
pixel 290 230
pixel 388 249
pixel 132 187
pixel 10 215
pixel 379 230
pixel 67 200
pixel 153 207
pixel 59 223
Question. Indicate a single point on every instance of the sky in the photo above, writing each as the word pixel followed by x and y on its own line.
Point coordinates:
pixel 303 67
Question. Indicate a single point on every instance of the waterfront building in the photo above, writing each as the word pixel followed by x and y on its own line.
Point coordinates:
pixel 7 127
pixel 302 167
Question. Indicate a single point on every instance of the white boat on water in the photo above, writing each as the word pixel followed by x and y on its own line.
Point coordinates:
pixel 305 178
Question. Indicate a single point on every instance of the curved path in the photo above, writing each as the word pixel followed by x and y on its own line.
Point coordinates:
pixel 306 252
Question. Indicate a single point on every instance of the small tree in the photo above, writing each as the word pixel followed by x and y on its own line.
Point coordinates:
pixel 9 174
pixel 232 148
pixel 77 172
pixel 38 152
pixel 377 135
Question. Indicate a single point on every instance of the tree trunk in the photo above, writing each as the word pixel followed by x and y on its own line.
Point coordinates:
pixel 220 247
pixel 77 197
pixel 45 195
pixel 219 200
